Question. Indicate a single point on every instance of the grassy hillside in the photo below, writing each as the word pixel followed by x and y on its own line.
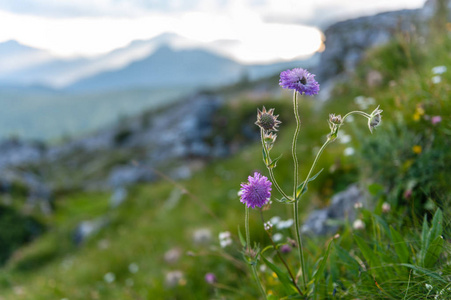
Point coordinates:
pixel 161 242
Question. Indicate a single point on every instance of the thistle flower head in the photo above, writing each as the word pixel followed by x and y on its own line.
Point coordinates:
pixel 256 192
pixel 375 119
pixel 300 80
pixel 267 120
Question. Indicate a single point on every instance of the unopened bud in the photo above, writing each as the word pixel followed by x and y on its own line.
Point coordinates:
pixel 337 120
pixel 375 119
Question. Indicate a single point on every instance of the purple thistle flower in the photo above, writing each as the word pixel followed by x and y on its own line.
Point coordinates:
pixel 300 80
pixel 256 192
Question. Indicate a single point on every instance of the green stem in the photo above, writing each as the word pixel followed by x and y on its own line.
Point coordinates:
pixel 254 271
pixel 327 142
pixel 248 250
pixel 246 226
pixel 356 112
pixel 296 181
pixel 293 145
pixel 296 211
pixel 293 279
pixel 271 172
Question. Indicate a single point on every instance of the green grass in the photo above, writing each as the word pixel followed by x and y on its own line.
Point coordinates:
pixel 385 261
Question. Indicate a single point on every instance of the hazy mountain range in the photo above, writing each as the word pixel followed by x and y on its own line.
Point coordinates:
pixel 45 97
pixel 159 62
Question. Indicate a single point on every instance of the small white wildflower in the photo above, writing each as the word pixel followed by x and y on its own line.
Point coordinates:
pixel 277 237
pixel 370 101
pixel 345 138
pixel 428 286
pixel 439 69
pixel 202 236
pixel 358 225
pixel 285 224
pixel 225 239
pixel 174 278
pixel 386 207
pixel 109 277
pixel 361 102
pixel 275 220
pixel 133 268
pixel 172 255
pixel 358 205
pixel 225 243
pixel 267 226
pixel 224 235
pixel 262 268
pixel 436 79
pixel 349 151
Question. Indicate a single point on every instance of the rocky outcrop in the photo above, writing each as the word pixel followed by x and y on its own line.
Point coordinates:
pixel 342 209
pixel 173 139
pixel 347 41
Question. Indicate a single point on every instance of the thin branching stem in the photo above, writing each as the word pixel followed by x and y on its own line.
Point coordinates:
pixel 356 112
pixel 293 279
pixel 270 170
pixel 295 186
pixel 249 252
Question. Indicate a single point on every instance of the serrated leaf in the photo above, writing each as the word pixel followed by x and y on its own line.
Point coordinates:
pixel 287 284
pixel 298 190
pixel 242 240
pixel 273 164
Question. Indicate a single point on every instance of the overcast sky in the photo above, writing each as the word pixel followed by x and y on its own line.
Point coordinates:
pixel 258 30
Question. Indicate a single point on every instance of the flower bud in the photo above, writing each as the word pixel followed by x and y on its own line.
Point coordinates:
pixel 337 120
pixel 269 139
pixel 375 119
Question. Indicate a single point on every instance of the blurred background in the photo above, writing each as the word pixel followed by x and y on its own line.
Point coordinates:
pixel 126 128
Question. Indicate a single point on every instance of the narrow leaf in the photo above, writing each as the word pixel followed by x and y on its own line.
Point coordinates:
pixel 436 227
pixel 242 240
pixel 298 190
pixel 372 258
pixel 426 272
pixel 322 265
pixel 400 246
pixel 265 158
pixel 273 164
pixel 433 252
pixel 287 284
pixel 283 200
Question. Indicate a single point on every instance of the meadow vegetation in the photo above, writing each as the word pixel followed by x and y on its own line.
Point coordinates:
pixel 163 240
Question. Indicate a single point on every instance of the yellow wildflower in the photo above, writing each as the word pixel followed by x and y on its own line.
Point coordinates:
pixel 417 149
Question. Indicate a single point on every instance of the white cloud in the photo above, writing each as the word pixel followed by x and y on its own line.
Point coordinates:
pixel 263 30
